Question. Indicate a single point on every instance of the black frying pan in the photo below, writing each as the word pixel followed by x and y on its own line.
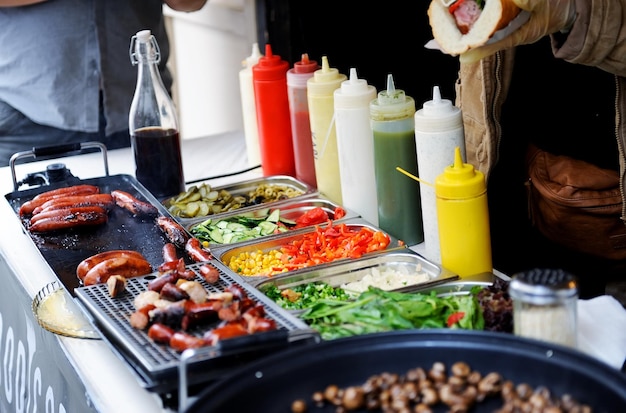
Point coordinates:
pixel 271 384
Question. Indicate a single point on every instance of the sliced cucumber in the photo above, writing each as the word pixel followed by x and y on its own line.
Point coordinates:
pixel 274 216
pixel 217 236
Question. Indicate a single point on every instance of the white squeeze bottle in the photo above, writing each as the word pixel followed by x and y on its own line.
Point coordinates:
pixel 355 146
pixel 248 107
pixel 438 131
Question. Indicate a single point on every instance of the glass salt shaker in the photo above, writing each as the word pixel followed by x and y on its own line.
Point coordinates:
pixel 544 305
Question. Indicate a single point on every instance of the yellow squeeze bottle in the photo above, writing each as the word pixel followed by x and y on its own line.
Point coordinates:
pixel 463 218
pixel 320 96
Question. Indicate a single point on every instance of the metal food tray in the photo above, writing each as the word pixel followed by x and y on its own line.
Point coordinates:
pixel 344 272
pixel 245 187
pixel 290 209
pixel 64 250
pixel 225 253
pixel 464 285
pixel 156 365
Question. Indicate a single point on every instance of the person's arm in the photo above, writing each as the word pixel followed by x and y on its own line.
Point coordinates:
pixel 184 5
pixel 597 37
pixel 15 3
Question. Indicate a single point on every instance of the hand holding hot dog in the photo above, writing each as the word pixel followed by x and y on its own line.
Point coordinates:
pixel 546 17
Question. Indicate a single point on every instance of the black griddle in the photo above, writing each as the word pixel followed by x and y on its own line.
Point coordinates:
pixel 64 250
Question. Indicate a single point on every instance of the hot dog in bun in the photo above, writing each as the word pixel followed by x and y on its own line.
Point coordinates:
pixel 459 25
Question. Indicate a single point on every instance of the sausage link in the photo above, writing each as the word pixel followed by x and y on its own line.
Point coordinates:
pixel 70 218
pixel 182 341
pixel 169 252
pixel 132 204
pixel 196 252
pixel 103 200
pixel 125 266
pixel 210 274
pixel 88 263
pixel 174 232
pixel 160 333
pixel 28 207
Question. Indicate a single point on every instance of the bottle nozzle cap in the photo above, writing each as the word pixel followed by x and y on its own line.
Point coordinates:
pixel 392 103
pixel 270 66
pixel 305 65
pixel 254 56
pixel 326 73
pixel 460 180
pixel 438 107
pixel 354 85
pixel 391 96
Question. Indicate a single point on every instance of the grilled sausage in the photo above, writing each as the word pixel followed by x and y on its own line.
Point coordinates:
pixel 227 331
pixel 172 292
pixel 197 313
pixel 132 204
pixel 182 341
pixel 68 218
pixel 160 333
pixel 173 231
pixel 65 212
pixel 158 283
pixel 116 285
pixel 196 252
pixel 209 273
pixel 141 318
pixel 103 200
pixel 28 207
pixel 125 266
pixel 169 252
pixel 88 263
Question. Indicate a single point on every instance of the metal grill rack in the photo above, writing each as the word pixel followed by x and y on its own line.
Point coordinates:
pixel 156 364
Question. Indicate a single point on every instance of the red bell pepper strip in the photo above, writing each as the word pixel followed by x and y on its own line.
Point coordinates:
pixel 455 318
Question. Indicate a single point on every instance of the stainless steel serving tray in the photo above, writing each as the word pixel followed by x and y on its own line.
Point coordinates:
pixel 290 209
pixel 155 365
pixel 245 187
pixel 342 273
pixel 463 285
pixel 224 254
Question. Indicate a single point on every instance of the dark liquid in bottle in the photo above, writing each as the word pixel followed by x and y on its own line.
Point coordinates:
pixel 158 161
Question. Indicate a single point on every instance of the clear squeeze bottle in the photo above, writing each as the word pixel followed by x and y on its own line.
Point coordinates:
pixel 355 146
pixel 153 123
pixel 463 218
pixel 273 119
pixel 297 77
pixel 438 130
pixel 320 89
pixel 248 107
pixel 393 126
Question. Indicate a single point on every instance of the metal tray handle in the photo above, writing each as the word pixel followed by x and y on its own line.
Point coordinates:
pixel 52 150
pixel 253 342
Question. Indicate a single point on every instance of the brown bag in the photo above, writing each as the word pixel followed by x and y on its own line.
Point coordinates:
pixel 576 204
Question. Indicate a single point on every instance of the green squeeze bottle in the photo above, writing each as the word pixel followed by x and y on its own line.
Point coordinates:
pixel 393 125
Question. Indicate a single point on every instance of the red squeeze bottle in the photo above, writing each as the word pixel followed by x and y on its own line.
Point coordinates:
pixel 300 122
pixel 269 77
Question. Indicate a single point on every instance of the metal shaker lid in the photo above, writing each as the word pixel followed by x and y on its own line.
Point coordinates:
pixel 543 286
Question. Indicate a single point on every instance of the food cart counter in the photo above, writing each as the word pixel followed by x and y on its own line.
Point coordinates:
pixel 44 370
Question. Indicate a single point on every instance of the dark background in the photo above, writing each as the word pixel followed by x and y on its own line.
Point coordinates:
pixel 376 39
